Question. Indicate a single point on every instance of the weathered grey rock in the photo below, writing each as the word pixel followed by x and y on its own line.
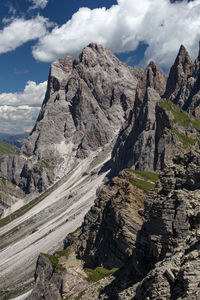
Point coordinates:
pixel 9 194
pixel 48 282
pixel 159 261
pixel 183 84
pixel 28 174
pixel 108 232
pixel 166 258
pixel 183 68
pixel 149 143
pixel 86 103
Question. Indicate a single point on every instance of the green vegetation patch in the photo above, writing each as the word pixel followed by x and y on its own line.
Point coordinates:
pixel 80 295
pixel 180 117
pixel 54 261
pixel 143 185
pixel 3 180
pixel 186 141
pixel 44 164
pixel 143 180
pixel 74 233
pixel 147 175
pixel 6 149
pixel 63 252
pixel 98 273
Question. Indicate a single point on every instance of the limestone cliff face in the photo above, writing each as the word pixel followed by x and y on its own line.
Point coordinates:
pixel 108 232
pixel 183 84
pixel 167 248
pixel 160 130
pixel 86 103
pixel 156 248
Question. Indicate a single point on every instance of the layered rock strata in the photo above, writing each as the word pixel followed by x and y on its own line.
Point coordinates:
pixel 183 84
pixel 86 103
pixel 166 257
pixel 157 249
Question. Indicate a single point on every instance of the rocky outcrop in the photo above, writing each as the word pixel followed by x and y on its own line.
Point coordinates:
pixel 160 130
pixel 9 194
pixel 182 69
pixel 86 103
pixel 157 249
pixel 183 83
pixel 166 258
pixel 108 232
pixel 48 281
pixel 27 173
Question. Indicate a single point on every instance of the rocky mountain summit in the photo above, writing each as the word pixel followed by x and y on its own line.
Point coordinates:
pixel 97 99
pixel 102 118
pixel 184 81
pixel 86 103
pixel 154 242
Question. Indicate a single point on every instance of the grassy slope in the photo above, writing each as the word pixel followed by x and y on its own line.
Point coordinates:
pixel 143 180
pixel 7 149
pixel 183 119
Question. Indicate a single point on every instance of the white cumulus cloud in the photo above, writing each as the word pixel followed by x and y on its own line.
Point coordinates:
pixel 18 111
pixel 159 23
pixel 17 120
pixel 20 31
pixel 33 95
pixel 38 4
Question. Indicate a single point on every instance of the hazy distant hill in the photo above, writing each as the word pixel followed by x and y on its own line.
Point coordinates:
pixel 17 140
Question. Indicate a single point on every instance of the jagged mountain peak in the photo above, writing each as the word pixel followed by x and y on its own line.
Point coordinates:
pixel 183 82
pixel 60 67
pixel 86 103
pixel 182 68
pixel 155 78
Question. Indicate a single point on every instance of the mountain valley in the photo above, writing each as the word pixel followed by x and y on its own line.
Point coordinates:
pixel 115 153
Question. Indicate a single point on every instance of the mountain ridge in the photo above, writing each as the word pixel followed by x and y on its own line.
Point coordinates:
pixel 100 116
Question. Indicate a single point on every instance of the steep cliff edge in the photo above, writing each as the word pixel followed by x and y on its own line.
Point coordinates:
pixel 96 100
pixel 167 249
pixel 106 238
pixel 184 81
pixel 156 248
pixel 160 130
pixel 86 103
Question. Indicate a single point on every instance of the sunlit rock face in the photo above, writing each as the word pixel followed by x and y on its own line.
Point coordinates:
pixel 86 103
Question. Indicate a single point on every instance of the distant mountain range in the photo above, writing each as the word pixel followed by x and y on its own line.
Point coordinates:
pixel 16 140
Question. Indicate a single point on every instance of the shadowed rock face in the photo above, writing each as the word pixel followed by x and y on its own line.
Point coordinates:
pixel 183 84
pixel 167 248
pixel 49 282
pixel 157 249
pixel 86 103
pixel 109 229
pixel 149 143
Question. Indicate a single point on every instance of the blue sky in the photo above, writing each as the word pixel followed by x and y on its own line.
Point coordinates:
pixel 33 33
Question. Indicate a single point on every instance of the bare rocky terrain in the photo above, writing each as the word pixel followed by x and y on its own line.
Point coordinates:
pixel 101 118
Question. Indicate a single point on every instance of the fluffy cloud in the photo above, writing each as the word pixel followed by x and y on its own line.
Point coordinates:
pixel 38 4
pixel 159 23
pixel 18 111
pixel 17 120
pixel 32 95
pixel 20 31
